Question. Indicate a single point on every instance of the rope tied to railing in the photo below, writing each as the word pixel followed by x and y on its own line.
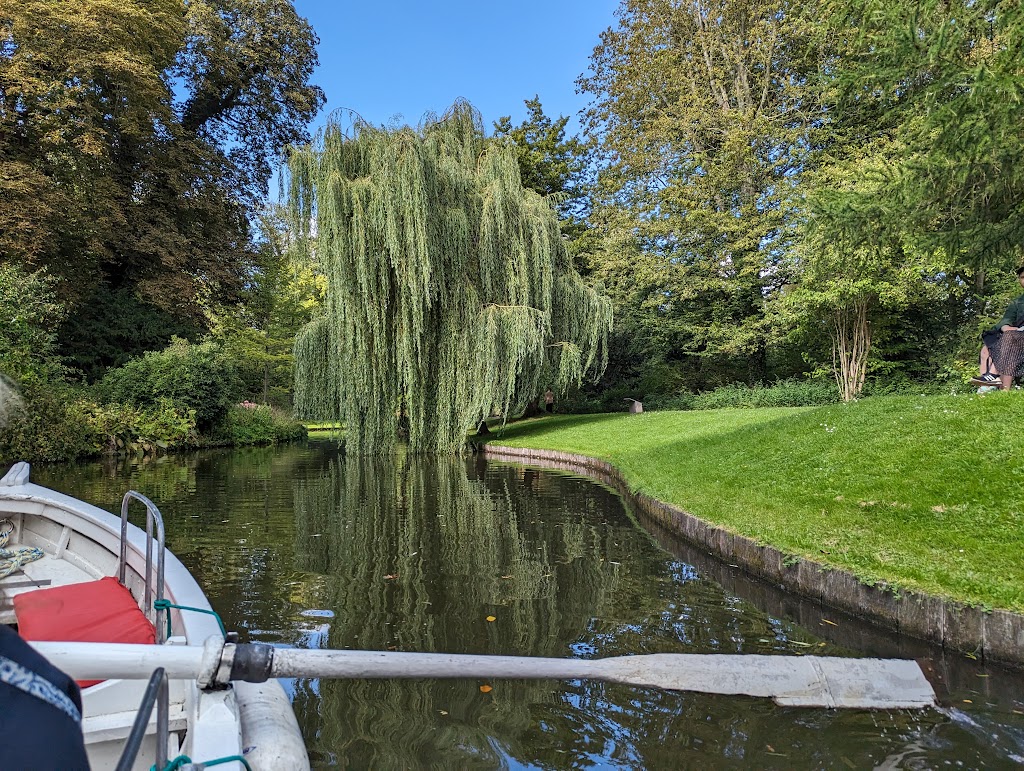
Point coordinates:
pixel 167 605
pixel 185 760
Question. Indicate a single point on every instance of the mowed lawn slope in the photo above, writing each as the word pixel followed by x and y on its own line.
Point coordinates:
pixel 925 493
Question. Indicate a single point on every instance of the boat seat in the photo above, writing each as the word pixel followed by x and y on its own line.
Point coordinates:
pixel 94 611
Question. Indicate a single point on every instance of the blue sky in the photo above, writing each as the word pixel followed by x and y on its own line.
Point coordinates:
pixel 397 57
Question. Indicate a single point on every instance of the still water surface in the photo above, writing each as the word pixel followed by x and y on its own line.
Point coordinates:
pixel 299 546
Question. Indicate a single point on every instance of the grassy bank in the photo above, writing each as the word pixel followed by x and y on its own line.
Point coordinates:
pixel 926 493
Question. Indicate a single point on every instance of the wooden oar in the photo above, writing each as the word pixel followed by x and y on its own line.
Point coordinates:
pixel 798 681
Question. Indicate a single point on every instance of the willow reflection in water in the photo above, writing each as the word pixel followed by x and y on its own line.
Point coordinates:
pixel 299 546
pixel 421 552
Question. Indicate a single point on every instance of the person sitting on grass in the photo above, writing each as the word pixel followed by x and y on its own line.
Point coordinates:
pixel 1005 344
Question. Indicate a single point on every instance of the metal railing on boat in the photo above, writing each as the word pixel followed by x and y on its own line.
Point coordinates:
pixel 157 691
pixel 153 519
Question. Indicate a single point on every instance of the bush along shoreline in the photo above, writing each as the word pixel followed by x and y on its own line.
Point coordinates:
pixel 81 428
pixel 186 396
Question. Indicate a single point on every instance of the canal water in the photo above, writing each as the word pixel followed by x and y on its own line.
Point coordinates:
pixel 301 546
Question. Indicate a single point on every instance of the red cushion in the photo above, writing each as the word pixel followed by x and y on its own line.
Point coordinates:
pixel 96 611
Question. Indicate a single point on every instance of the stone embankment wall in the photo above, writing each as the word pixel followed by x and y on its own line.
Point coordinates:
pixel 996 636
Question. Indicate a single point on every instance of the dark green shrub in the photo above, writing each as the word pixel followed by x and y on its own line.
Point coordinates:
pixel 680 401
pixel 901 387
pixel 196 377
pixel 53 423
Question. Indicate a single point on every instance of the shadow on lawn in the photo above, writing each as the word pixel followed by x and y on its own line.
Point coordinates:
pixel 535 427
pixel 749 441
pixel 737 442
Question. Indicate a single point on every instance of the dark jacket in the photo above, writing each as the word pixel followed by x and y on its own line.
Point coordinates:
pixel 1013 317
pixel 35 733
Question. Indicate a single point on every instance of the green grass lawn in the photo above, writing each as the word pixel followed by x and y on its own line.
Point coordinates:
pixel 926 493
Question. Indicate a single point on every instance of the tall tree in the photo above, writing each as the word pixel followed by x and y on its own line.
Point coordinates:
pixel 281 295
pixel 946 79
pixel 135 137
pixel 450 292
pixel 701 112
pixel 554 165
pixel 549 163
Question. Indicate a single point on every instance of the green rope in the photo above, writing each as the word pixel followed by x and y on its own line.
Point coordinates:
pixel 183 760
pixel 167 605
pixel 174 765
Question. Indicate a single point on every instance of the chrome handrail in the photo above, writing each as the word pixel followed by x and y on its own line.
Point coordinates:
pixel 152 516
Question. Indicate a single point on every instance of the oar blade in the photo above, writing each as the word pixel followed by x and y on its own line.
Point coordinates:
pixel 797 681
pixel 873 683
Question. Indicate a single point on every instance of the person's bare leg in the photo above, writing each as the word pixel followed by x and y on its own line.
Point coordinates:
pixel 1005 382
pixel 985 363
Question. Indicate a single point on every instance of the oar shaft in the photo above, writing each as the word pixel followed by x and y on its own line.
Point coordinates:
pixel 104 661
pixel 294 662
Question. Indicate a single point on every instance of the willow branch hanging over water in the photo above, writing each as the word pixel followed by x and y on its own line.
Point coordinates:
pixel 451 296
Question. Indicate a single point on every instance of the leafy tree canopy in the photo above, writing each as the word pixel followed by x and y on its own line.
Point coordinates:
pixel 946 79
pixel 135 135
pixel 702 117
pixel 548 162
pixel 450 294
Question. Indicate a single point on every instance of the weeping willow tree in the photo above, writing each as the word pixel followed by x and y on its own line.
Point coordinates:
pixel 450 295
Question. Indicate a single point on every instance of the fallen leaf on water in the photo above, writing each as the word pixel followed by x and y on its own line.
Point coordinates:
pixel 485 689
pixel 492 618
pixel 968 701
pixel 443 712
pixel 982 675
pixel 506 577
pixel 770 748
pixel 391 577
pixel 832 623
pixel 1017 712
pixel 801 644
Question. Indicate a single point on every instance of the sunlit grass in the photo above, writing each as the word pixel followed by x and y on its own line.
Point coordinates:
pixel 926 493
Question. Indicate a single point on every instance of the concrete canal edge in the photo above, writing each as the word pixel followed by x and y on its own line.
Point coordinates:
pixel 994 636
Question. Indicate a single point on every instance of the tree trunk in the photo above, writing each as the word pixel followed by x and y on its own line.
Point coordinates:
pixel 851 343
pixel 532 409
